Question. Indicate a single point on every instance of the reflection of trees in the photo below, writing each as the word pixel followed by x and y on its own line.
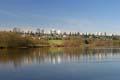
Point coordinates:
pixel 89 54
pixel 17 57
pixel 21 56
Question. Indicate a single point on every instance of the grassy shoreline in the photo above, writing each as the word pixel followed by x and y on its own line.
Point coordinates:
pixel 15 40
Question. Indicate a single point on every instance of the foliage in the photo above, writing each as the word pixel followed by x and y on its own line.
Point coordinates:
pixel 12 39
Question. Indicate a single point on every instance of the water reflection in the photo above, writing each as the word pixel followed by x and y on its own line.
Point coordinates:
pixel 19 57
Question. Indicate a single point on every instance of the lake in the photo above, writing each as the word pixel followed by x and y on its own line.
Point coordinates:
pixel 60 64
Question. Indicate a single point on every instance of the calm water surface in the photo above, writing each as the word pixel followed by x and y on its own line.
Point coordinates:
pixel 60 64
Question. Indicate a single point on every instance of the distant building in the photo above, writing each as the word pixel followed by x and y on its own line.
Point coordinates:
pixel 37 30
pixel 40 31
pixel 53 31
pixel 105 34
pixel 100 34
pixel 58 32
pixel 16 29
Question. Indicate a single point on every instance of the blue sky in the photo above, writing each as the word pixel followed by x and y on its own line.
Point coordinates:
pixel 68 15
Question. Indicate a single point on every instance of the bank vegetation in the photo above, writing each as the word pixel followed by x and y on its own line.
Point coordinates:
pixel 18 40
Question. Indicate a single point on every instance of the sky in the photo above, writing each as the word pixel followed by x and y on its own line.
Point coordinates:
pixel 66 15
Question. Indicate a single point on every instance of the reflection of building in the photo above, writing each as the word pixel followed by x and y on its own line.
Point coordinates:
pixel 38 56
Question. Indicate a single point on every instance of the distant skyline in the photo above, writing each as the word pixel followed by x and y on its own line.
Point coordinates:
pixel 68 15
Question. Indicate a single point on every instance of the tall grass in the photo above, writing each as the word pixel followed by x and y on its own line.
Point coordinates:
pixel 11 39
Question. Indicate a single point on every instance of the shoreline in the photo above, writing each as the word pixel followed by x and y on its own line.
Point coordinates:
pixel 87 46
pixel 17 40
